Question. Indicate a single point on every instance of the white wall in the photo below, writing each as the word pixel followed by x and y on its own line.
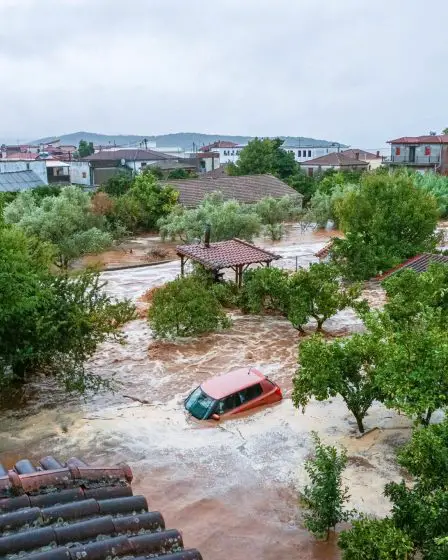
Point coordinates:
pixel 39 168
pixel 305 153
pixel 80 173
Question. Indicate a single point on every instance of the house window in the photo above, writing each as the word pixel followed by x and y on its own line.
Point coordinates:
pixel 427 150
pixel 309 153
pixel 143 164
pixel 84 175
pixel 299 153
pixel 28 166
pixel 310 171
pixel 233 153
pixel 397 151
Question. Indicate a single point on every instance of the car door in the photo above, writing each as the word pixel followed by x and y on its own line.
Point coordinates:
pixel 250 397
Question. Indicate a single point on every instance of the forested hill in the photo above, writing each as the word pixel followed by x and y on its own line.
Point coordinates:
pixel 185 140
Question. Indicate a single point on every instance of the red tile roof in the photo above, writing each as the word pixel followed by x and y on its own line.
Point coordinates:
pixel 21 156
pixel 430 139
pixel 69 511
pixel 244 188
pixel 325 251
pixel 337 159
pixel 128 154
pixel 225 254
pixel 420 263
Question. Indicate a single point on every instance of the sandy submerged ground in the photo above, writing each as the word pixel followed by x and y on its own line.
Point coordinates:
pixel 230 486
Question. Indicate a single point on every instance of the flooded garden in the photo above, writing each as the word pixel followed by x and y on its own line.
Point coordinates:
pixel 230 486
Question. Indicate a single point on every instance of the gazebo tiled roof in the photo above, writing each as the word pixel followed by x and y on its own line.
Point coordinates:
pixel 226 254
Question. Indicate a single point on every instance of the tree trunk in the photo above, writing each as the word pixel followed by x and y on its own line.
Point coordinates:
pixel 359 419
pixel 426 419
pixel 320 322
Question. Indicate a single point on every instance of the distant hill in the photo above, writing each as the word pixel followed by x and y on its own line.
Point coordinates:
pixel 185 140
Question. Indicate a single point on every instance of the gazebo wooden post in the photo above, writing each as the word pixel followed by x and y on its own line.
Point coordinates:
pixel 182 266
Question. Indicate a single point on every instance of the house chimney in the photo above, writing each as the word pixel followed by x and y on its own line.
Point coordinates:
pixel 207 236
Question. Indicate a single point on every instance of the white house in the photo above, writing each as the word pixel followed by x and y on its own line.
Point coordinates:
pixel 229 152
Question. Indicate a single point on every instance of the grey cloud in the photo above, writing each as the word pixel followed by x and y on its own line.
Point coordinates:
pixel 358 72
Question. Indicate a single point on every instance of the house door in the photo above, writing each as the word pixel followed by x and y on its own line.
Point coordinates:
pixel 411 154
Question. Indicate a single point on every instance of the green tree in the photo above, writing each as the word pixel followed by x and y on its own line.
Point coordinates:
pixel 119 184
pixel 274 211
pixel 264 290
pixel 85 148
pixel 391 216
pixel 227 218
pixel 185 307
pixel 375 539
pixel 155 171
pixel 325 496
pixel 180 174
pixel 66 220
pixel 317 293
pixel 51 324
pixel 425 456
pixel 411 369
pixel 343 367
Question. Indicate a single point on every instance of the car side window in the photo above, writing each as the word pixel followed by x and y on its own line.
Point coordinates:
pixel 229 403
pixel 250 393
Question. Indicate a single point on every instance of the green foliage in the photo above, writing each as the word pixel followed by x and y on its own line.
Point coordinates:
pixel 436 185
pixel 85 148
pixel 374 539
pixel 264 290
pixel 181 174
pixel 325 497
pixel 274 211
pixel 227 218
pixel 411 368
pixel 315 292
pixel 119 184
pixel 303 184
pixel 322 208
pixel 388 214
pixel 51 324
pixel 66 220
pixel 155 170
pixel 425 456
pixel 47 190
pixel 343 367
pixel 185 307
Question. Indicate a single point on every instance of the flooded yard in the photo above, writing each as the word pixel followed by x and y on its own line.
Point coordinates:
pixel 230 486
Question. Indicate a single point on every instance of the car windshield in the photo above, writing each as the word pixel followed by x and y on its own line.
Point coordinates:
pixel 199 404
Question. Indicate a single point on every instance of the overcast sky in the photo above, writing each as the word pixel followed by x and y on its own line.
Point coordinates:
pixel 360 72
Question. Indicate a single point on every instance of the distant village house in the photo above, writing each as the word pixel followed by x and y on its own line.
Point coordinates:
pixel 420 153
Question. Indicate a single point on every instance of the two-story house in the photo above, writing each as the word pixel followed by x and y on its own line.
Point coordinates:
pixel 421 153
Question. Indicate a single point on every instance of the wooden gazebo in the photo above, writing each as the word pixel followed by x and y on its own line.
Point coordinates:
pixel 235 254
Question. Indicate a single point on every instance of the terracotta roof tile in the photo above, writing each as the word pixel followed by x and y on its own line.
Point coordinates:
pixel 325 251
pixel 430 139
pixel 362 154
pixel 336 159
pixel 58 511
pixel 244 188
pixel 224 254
pixel 420 263
pixel 132 155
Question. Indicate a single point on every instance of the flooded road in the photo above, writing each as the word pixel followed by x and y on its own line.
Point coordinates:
pixel 231 486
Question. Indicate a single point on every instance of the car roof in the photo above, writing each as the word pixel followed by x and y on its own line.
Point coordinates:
pixel 231 382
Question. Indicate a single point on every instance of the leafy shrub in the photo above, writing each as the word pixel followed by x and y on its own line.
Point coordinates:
pixel 374 539
pixel 325 496
pixel 185 307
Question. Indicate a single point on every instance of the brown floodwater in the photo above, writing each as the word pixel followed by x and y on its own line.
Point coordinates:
pixel 231 487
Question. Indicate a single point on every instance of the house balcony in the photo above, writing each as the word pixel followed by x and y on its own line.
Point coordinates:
pixel 417 160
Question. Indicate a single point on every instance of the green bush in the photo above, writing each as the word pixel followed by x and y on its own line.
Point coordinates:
pixel 324 498
pixel 375 539
pixel 185 307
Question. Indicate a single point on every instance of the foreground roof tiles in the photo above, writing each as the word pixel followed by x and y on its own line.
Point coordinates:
pixel 430 139
pixel 325 251
pixel 70 511
pixel 420 263
pixel 225 254
pixel 244 188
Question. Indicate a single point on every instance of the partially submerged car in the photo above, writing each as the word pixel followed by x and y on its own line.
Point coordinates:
pixel 237 391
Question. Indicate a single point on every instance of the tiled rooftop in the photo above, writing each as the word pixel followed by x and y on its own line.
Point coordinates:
pixel 57 511
pixel 224 254
pixel 325 251
pixel 13 181
pixel 420 263
pixel 245 188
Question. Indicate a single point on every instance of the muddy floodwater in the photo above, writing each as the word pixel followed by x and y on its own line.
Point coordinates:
pixel 232 486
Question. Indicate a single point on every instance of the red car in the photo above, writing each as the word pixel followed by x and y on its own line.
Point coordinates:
pixel 231 393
